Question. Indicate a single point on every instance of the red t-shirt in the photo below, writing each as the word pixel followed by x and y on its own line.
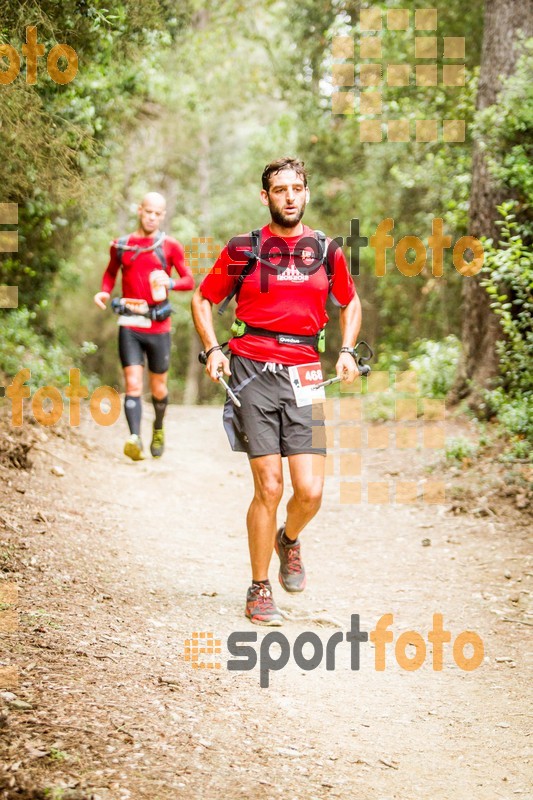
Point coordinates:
pixel 283 299
pixel 136 273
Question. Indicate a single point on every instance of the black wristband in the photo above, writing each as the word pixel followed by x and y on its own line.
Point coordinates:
pixel 349 350
pixel 212 350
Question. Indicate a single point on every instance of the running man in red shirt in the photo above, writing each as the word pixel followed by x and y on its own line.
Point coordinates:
pixel 146 259
pixel 273 363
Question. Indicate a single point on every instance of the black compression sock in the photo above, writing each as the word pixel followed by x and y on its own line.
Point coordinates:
pixel 133 411
pixel 285 539
pixel 160 406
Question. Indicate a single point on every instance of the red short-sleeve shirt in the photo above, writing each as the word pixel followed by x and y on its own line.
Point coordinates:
pixel 136 273
pixel 280 297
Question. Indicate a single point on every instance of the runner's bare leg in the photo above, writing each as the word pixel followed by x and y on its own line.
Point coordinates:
pixel 133 379
pixel 261 518
pixel 307 477
pixel 158 384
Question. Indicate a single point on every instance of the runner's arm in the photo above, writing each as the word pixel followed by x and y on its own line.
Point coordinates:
pixel 202 315
pixel 186 281
pixel 108 279
pixel 350 322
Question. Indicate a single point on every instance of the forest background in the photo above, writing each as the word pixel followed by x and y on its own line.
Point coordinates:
pixel 192 99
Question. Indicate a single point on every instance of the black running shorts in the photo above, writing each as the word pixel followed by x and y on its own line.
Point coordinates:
pixel 133 346
pixel 269 421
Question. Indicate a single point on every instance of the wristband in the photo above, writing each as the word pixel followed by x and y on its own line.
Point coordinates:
pixel 212 350
pixel 171 284
pixel 349 350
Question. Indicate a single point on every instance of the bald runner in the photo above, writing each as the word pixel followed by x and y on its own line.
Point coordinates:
pixel 146 260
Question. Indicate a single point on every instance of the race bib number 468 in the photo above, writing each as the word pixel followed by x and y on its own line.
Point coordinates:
pixel 303 378
pixel 311 376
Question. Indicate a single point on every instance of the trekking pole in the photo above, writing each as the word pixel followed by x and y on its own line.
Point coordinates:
pixel 202 358
pixel 364 369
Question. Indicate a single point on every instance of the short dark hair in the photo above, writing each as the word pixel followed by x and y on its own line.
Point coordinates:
pixel 283 163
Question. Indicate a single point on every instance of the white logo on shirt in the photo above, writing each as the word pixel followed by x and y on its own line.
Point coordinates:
pixel 292 274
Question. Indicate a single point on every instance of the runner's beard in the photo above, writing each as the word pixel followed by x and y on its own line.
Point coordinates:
pixel 285 222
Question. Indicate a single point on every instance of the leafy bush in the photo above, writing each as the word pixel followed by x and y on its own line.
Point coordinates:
pixel 505 129
pixel 435 366
pixel 380 407
pixel 23 347
pixel 460 448
pixel 505 133
pixel 391 359
pixel 508 280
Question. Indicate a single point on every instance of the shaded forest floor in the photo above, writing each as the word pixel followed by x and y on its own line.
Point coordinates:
pixel 116 565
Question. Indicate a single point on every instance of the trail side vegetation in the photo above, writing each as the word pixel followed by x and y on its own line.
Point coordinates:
pixel 192 99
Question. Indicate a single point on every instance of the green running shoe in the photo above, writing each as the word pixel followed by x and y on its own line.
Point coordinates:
pixel 134 448
pixel 157 446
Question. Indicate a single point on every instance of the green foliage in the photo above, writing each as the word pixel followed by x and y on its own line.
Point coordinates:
pixel 508 279
pixel 435 366
pixel 391 359
pixel 506 129
pixel 49 360
pixel 410 182
pixel 505 132
pixel 57 755
pixel 192 99
pixel 515 416
pixel 459 449
pixel 380 407
pixel 434 363
pixel 57 139
pixel 520 450
pixel 23 347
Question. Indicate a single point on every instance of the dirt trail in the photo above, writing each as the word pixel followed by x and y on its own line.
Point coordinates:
pixel 118 564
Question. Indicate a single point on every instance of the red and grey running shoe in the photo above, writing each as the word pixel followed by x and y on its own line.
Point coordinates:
pixel 291 569
pixel 260 606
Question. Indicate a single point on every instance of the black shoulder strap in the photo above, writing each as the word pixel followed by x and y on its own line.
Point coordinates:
pixel 255 240
pixel 322 241
pixel 121 245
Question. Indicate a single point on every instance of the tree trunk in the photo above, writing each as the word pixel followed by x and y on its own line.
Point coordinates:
pixel 481 330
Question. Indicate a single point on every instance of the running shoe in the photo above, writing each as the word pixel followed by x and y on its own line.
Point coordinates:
pixel 260 606
pixel 291 569
pixel 157 446
pixel 134 448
